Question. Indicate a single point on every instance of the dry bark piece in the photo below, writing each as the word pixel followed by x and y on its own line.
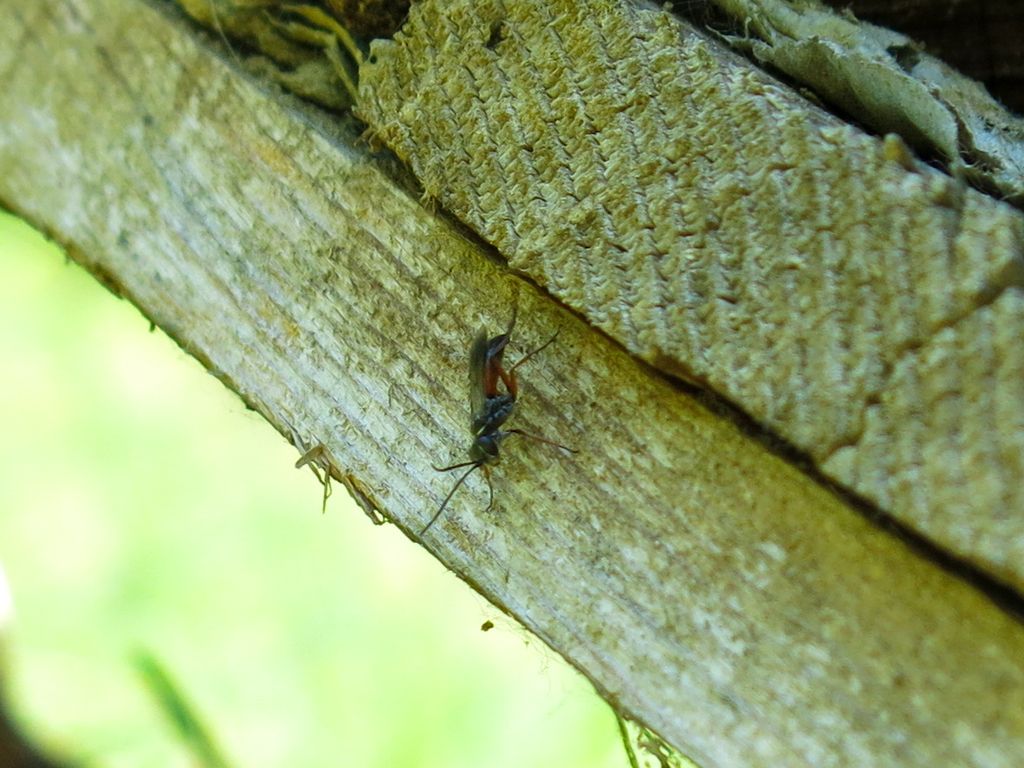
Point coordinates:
pixel 886 80
pixel 981 38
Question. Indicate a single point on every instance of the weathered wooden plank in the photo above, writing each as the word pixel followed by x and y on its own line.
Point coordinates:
pixel 705 586
pixel 720 226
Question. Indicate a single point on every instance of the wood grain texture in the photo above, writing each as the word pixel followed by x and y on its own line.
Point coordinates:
pixel 707 587
pixel 945 387
pixel 724 229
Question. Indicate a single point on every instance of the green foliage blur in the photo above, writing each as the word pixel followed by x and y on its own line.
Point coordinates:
pixel 144 510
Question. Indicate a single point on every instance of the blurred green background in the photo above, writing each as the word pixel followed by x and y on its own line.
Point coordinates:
pixel 142 507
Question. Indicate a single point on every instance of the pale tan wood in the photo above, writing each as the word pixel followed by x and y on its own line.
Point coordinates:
pixel 707 587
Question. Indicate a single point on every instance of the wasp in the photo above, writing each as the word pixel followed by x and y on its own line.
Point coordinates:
pixel 493 391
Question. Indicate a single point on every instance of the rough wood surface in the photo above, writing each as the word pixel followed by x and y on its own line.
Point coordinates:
pixel 723 228
pixel 705 586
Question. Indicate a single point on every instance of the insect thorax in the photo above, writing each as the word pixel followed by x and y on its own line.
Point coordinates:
pixel 496 411
pixel 485 447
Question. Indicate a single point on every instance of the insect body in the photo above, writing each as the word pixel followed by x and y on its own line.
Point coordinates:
pixel 490 406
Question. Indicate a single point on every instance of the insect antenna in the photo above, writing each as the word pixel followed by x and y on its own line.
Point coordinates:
pixel 460 465
pixel 472 465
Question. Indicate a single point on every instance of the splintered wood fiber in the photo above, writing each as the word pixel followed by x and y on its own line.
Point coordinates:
pixel 722 228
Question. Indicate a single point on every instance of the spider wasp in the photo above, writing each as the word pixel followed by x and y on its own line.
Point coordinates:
pixel 493 391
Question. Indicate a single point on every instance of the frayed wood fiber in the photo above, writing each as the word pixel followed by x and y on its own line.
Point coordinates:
pixel 726 230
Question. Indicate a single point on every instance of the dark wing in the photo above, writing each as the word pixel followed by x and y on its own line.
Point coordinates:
pixel 477 373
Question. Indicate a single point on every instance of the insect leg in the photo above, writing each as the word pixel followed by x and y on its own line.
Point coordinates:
pixel 509 376
pixel 530 354
pixel 490 489
pixel 540 439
